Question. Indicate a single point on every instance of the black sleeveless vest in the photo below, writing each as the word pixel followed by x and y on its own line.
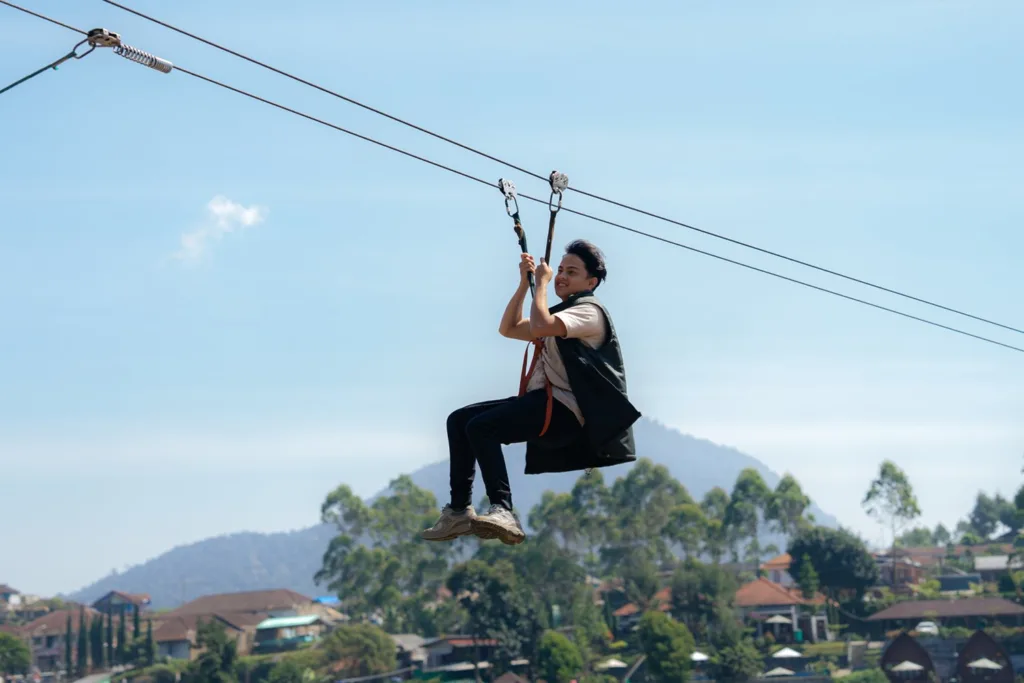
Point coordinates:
pixel 597 378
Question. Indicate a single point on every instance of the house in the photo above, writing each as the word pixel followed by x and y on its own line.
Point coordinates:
pixel 270 603
pixel 244 611
pixel 783 610
pixel 970 612
pixel 46 635
pixel 410 650
pixel 175 636
pixel 116 603
pixel 992 567
pixel 452 651
pixel 777 570
pixel 287 633
pixel 898 570
pixel 628 616
pixel 8 596
pixel 958 583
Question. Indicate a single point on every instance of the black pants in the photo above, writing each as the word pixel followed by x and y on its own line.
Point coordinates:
pixel 476 433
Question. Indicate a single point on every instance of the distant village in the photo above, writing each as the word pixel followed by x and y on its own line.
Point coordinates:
pixel 929 638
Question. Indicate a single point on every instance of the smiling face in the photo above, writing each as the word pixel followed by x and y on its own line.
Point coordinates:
pixel 572 277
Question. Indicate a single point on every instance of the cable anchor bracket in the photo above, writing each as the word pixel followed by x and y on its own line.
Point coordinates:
pixel 101 37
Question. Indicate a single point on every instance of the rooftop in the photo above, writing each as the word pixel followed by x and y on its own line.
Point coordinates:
pixel 964 607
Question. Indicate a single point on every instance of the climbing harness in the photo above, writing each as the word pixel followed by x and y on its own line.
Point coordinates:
pixel 101 37
pixel 508 188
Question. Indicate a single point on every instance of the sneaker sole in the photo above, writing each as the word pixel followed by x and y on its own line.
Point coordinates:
pixel 492 530
pixel 451 535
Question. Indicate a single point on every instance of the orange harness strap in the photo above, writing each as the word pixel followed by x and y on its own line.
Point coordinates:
pixel 524 379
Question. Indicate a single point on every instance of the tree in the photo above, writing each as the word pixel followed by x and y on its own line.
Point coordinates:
pixel 841 560
pixel 69 651
pixel 15 657
pixel 668 645
pixel 916 537
pixel 498 608
pixel 891 499
pixel 150 652
pixel 750 499
pixel 737 662
pixel 716 539
pixel 109 649
pixel 122 639
pixel 941 535
pixel 136 626
pixel 361 649
pixel 808 578
pixel 558 659
pixel 216 663
pixel 83 645
pixel 377 557
pixel 699 592
pixel 786 506
pixel 96 641
pixel 984 517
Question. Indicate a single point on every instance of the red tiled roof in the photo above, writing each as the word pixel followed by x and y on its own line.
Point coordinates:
pixel 763 592
pixel 663 598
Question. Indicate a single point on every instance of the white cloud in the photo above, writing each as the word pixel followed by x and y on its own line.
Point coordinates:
pixel 223 216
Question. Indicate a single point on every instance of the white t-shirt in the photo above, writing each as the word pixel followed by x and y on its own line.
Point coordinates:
pixel 584 322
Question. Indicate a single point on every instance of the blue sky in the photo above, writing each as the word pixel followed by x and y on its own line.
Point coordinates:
pixel 149 400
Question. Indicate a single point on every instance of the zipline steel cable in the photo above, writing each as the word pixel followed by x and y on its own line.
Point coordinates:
pixel 545 178
pixel 540 200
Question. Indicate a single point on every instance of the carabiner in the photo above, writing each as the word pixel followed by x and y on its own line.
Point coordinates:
pixel 508 188
pixel 558 182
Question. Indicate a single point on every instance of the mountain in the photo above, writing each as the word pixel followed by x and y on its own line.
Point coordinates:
pixel 253 561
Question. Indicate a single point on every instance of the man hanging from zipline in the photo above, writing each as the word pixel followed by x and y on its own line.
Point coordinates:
pixel 572 410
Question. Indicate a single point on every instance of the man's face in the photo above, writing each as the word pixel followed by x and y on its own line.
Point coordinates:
pixel 572 277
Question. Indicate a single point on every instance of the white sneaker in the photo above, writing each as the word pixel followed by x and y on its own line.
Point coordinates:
pixel 451 525
pixel 499 522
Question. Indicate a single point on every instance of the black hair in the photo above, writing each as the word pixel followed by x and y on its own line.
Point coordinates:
pixel 593 259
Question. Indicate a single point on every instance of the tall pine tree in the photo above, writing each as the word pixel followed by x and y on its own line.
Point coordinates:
pixel 150 646
pixel 83 644
pixel 136 627
pixel 109 644
pixel 68 648
pixel 122 639
pixel 96 641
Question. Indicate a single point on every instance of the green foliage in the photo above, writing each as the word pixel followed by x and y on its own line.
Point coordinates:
pixel 736 663
pixel 699 594
pixel 668 645
pixel 872 675
pixel 217 662
pixel 69 663
pixel 891 498
pixel 15 657
pixel 82 651
pixel 361 649
pixel 558 659
pixel 499 608
pixel 394 562
pixel 841 560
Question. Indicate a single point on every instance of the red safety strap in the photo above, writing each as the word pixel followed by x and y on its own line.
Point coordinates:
pixel 524 379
